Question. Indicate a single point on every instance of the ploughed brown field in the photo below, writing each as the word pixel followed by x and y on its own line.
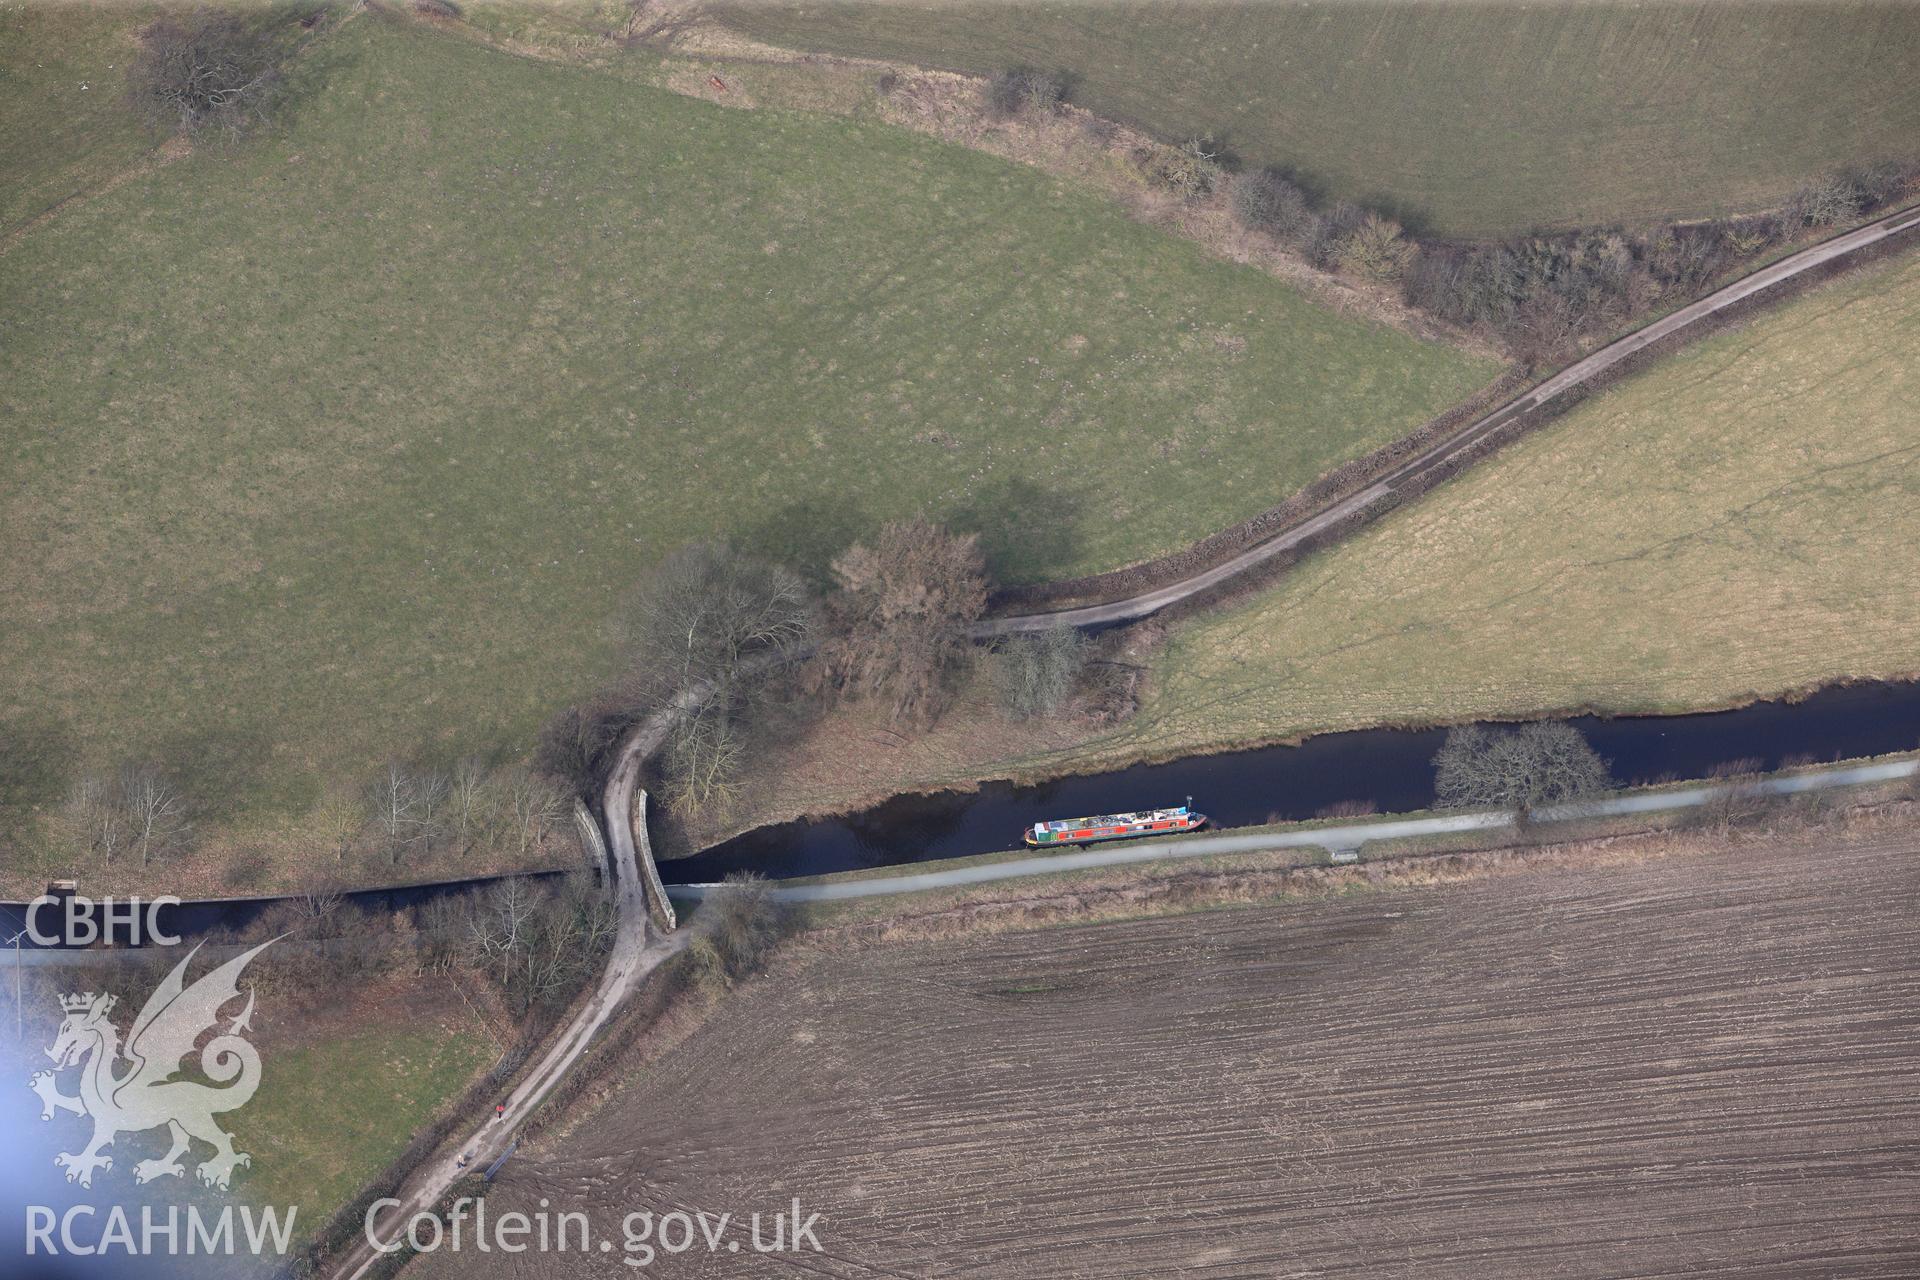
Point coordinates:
pixel 1684 1064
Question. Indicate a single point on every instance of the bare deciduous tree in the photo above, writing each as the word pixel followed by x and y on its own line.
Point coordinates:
pixel 538 944
pixel 1268 200
pixel 499 930
pixel 707 628
pixel 138 811
pixel 339 824
pixel 97 817
pixel 1377 249
pixel 702 761
pixel 406 806
pixel 737 927
pixel 157 819
pixel 1519 768
pixel 1822 203
pixel 315 907
pixel 533 807
pixel 1544 330
pixel 392 802
pixel 570 932
pixel 575 744
pixel 433 789
pixel 596 911
pixel 1018 90
pixel 549 963
pixel 469 797
pixel 205 71
pixel 899 621
pixel 1191 170
pixel 1332 228
pixel 705 614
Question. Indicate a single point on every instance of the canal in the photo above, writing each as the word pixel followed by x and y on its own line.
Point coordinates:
pixel 1388 768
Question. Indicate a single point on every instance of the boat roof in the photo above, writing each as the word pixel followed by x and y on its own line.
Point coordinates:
pixel 1114 819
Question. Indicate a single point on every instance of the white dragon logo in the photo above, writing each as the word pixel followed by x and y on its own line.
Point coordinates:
pixel 145 1095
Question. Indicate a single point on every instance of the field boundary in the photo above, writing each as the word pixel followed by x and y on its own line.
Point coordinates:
pixel 728 32
pixel 1302 524
pixel 1343 481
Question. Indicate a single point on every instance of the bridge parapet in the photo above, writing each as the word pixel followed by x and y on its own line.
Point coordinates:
pixel 658 905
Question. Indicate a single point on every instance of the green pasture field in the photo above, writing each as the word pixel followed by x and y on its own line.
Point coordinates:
pixel 330 1116
pixel 1738 521
pixel 349 442
pixel 62 84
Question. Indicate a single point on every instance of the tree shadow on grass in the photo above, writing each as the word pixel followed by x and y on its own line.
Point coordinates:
pixel 806 535
pixel 1026 532
pixel 37 755
pixel 227 772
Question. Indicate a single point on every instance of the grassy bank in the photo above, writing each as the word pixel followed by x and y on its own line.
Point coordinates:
pixel 1488 119
pixel 349 1072
pixel 317 1141
pixel 346 444
pixel 1734 523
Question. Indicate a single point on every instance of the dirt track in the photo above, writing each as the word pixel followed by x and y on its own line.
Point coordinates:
pixel 629 962
pixel 1705 1064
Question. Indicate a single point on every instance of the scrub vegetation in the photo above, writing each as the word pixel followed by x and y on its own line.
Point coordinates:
pixel 1469 120
pixel 1035 672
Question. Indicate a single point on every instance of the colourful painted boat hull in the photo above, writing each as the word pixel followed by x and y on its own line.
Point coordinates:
pixel 1098 834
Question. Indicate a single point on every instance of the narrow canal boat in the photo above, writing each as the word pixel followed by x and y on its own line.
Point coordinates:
pixel 1116 826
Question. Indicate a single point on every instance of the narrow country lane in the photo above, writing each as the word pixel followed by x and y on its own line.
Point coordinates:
pixel 1574 376
pixel 633 957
